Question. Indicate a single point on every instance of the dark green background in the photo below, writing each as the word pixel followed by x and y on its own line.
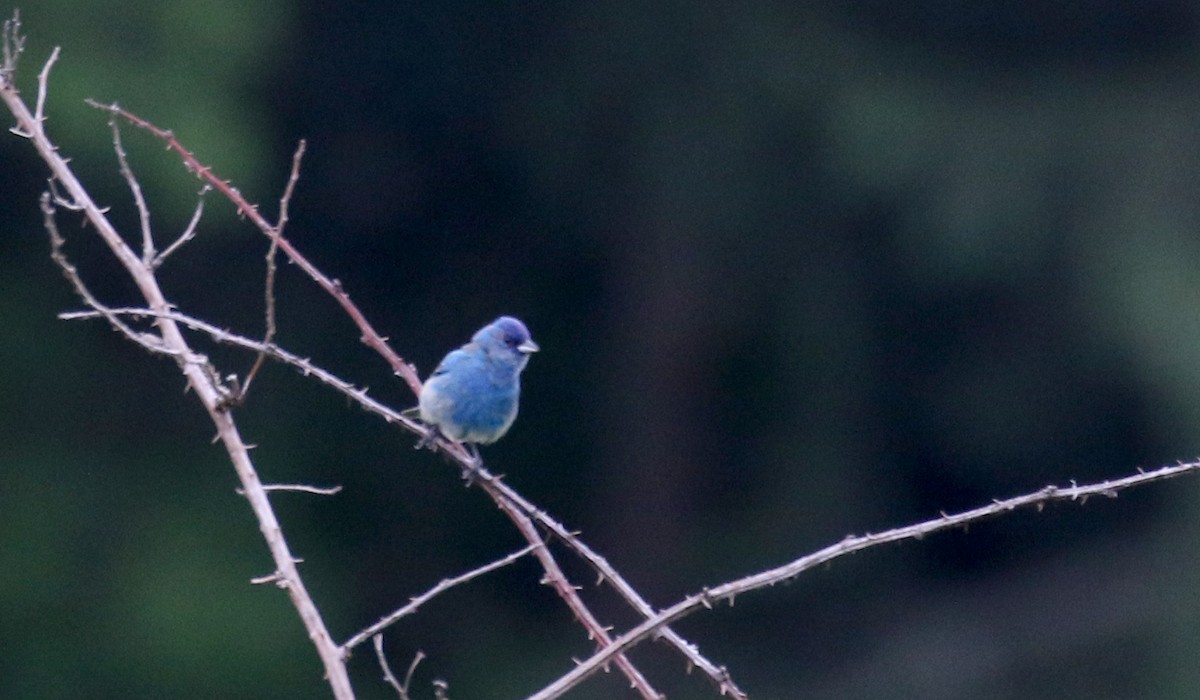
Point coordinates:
pixel 798 270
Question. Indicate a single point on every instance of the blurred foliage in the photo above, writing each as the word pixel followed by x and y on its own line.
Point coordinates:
pixel 797 270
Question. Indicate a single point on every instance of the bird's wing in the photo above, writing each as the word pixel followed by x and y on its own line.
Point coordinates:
pixel 456 358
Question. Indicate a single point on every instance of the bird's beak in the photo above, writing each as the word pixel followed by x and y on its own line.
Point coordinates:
pixel 528 346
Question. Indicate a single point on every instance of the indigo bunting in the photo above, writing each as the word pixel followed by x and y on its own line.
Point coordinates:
pixel 472 395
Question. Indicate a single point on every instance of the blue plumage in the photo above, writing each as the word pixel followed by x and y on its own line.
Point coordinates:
pixel 472 395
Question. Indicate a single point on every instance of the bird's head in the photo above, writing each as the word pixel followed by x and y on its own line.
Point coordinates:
pixel 506 336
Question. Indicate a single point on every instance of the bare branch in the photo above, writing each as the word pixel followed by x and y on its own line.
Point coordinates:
pixel 13 45
pixel 441 587
pixel 303 488
pixel 708 597
pixel 290 189
pixel 135 188
pixel 188 233
pixel 269 286
pixel 412 668
pixel 39 112
pixel 209 391
pixel 401 688
pixel 149 341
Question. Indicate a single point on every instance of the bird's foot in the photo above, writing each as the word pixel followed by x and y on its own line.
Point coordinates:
pixel 429 438
pixel 471 469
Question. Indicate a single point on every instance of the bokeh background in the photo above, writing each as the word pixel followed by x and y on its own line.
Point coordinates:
pixel 798 270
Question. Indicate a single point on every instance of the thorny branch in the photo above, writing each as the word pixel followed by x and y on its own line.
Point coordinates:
pixel 500 492
pixel 269 286
pixel 726 592
pixel 388 676
pixel 189 232
pixel 334 287
pixel 416 602
pixel 518 514
pixel 169 335
pixel 135 187
pixel 218 400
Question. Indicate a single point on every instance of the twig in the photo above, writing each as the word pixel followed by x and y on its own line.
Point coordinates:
pixel 728 591
pixel 416 602
pixel 148 341
pixel 269 286
pixel 412 667
pixel 401 688
pixel 39 112
pixel 188 233
pixel 290 188
pixel 303 488
pixel 13 45
pixel 136 188
pixel 269 578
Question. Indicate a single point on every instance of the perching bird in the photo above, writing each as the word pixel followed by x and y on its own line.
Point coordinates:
pixel 472 395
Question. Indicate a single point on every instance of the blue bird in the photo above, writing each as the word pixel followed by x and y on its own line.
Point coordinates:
pixel 472 395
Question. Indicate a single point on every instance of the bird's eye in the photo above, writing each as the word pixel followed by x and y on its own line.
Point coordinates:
pixel 511 341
